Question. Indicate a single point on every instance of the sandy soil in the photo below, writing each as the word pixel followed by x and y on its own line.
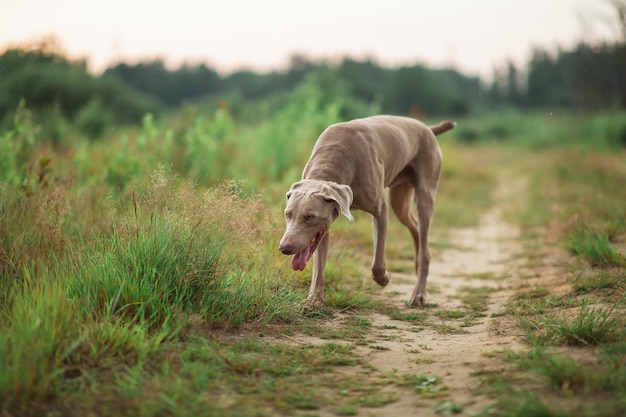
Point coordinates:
pixel 485 256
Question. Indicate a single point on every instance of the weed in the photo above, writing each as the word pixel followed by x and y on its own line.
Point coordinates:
pixel 379 347
pixel 425 360
pixel 426 385
pixel 448 408
pixel 447 329
pixel 347 410
pixel 411 316
pixel 450 314
pixel 476 298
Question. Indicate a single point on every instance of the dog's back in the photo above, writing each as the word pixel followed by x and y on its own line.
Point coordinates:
pixel 371 151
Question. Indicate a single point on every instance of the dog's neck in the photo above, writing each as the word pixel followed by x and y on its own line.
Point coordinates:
pixel 328 172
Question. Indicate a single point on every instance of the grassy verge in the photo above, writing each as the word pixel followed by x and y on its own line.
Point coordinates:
pixel 573 319
pixel 77 303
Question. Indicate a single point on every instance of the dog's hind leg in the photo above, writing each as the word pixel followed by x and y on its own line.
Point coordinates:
pixel 426 189
pixel 401 199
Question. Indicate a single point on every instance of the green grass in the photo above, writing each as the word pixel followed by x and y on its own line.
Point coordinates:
pixel 80 304
pixel 599 279
pixel 588 326
pixel 127 288
pixel 413 317
pixel 429 386
pixel 593 247
pixel 573 322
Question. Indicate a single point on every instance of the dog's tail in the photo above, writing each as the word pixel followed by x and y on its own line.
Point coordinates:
pixel 442 127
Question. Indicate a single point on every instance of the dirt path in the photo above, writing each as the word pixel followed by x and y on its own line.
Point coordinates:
pixel 471 280
pixel 451 340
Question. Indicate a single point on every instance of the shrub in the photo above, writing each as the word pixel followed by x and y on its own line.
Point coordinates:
pixel 94 119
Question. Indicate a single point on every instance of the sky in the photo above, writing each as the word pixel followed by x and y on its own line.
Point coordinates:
pixel 474 36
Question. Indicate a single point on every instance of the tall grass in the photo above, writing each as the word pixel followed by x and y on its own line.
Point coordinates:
pixel 71 300
pixel 37 335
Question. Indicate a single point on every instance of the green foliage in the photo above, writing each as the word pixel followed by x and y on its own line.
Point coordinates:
pixel 165 256
pixel 592 246
pixel 597 220
pixel 540 130
pixel 448 408
pixel 426 385
pixel 588 77
pixel 39 331
pixel 16 146
pixel 47 80
pixel 290 135
pixel 94 119
pixel 575 323
pixel 212 148
pixel 206 149
pixel 591 326
pixel 121 283
pixel 170 87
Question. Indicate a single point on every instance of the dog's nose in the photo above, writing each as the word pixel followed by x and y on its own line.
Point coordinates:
pixel 285 249
pixel 286 245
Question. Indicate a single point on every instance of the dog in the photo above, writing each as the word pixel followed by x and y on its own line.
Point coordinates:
pixel 350 166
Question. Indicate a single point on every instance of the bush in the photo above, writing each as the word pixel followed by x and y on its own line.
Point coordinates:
pixel 94 119
pixel 50 81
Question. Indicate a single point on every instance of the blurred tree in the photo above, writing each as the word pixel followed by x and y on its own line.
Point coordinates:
pixel 514 93
pixel 587 77
pixel 171 87
pixel 51 84
pixel 365 80
pixel 620 60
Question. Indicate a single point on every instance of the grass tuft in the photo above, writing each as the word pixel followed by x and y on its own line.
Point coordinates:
pixel 593 246
pixel 591 326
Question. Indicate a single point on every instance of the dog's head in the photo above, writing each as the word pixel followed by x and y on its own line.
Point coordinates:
pixel 312 206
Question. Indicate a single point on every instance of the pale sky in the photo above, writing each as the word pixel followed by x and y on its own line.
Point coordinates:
pixel 472 35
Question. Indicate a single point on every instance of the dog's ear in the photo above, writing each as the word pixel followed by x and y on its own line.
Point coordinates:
pixel 341 195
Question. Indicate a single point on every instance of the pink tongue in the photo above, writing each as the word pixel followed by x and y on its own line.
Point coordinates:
pixel 300 259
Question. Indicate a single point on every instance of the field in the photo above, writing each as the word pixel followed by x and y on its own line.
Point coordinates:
pixel 140 276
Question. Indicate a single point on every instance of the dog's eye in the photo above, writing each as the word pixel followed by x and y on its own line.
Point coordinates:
pixel 288 195
pixel 309 217
pixel 329 200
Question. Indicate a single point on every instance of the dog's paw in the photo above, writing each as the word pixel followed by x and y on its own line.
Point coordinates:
pixel 382 280
pixel 418 300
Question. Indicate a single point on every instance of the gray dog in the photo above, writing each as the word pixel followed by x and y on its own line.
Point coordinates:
pixel 350 167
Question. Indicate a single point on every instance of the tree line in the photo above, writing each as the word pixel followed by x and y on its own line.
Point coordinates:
pixel 587 77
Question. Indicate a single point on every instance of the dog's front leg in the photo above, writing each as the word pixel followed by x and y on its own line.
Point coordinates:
pixel 316 292
pixel 379 266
